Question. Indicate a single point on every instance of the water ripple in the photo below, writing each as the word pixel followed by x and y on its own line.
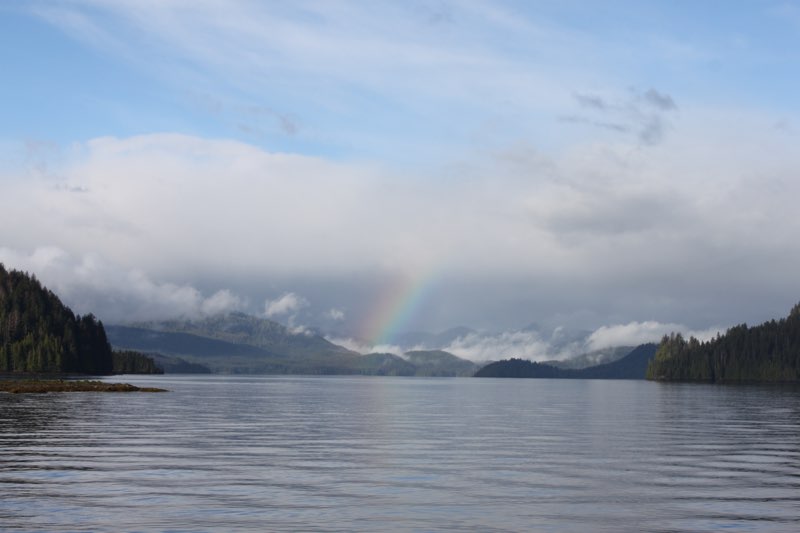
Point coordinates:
pixel 386 454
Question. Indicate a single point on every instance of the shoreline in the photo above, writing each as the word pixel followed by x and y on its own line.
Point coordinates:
pixel 40 386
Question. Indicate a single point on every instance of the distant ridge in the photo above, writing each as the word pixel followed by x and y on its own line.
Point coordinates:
pixel 244 329
pixel 632 366
pixel 229 357
pixel 593 358
pixel 438 363
pixel 240 343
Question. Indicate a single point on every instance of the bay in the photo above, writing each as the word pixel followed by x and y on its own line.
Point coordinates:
pixel 278 453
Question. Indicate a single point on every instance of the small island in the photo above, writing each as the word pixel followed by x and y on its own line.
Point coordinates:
pixel 42 342
pixel 20 386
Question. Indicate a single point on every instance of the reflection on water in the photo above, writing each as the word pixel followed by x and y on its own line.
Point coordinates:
pixel 371 454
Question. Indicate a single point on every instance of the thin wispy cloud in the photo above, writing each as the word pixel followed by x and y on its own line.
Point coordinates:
pixel 661 101
pixel 644 114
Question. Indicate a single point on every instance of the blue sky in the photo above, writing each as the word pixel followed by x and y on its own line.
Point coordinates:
pixel 575 164
pixel 94 69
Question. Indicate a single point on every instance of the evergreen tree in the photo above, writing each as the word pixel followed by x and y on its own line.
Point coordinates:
pixel 40 334
pixel 132 362
pixel 769 352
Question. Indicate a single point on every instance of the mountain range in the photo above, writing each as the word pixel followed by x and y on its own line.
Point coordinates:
pixel 240 343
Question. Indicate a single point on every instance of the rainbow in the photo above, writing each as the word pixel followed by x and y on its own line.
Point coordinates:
pixel 395 306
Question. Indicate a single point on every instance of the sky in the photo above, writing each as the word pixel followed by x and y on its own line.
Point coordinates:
pixel 371 168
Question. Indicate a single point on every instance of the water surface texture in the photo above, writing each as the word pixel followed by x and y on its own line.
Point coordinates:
pixel 402 454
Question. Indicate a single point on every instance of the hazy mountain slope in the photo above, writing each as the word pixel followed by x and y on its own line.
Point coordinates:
pixel 439 363
pixel 383 364
pixel 593 358
pixel 239 357
pixel 176 365
pixel 632 366
pixel 242 329
pixel 228 357
pixel 172 343
pixel 433 341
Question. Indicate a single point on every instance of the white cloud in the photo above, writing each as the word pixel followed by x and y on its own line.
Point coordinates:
pixel 386 348
pixel 300 330
pixel 504 345
pixel 535 346
pixel 631 334
pixel 362 347
pixel 221 302
pixel 349 343
pixel 635 333
pixel 91 284
pixel 287 304
pixel 674 223
pixel 335 314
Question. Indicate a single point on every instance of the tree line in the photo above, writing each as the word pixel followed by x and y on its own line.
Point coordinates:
pixel 133 362
pixel 769 352
pixel 39 334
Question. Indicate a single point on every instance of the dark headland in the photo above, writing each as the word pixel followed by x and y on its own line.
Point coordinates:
pixel 19 386
pixel 40 336
pixel 768 353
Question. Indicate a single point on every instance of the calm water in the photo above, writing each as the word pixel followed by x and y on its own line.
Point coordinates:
pixel 375 454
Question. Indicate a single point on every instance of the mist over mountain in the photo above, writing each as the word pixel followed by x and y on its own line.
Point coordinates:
pixel 440 364
pixel 560 346
pixel 595 357
pixel 632 366
pixel 240 343
pixel 243 329
pixel 431 340
pixel 383 364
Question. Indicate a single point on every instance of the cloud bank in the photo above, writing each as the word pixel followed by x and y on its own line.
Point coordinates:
pixel 538 345
pixel 90 284
pixel 628 234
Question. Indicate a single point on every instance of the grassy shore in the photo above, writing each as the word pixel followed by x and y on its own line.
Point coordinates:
pixel 59 385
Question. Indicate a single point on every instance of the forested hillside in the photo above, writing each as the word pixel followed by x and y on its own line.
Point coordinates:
pixel 769 352
pixel 40 334
pixel 132 362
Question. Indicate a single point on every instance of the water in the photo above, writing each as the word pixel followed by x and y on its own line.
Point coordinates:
pixel 402 454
